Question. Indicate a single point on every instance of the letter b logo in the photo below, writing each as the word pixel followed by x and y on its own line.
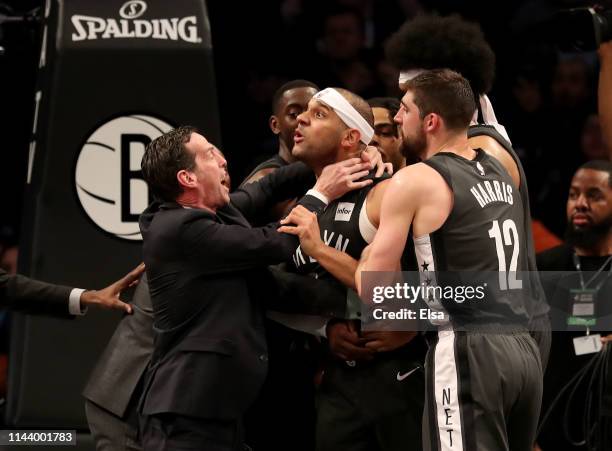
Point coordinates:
pixel 108 178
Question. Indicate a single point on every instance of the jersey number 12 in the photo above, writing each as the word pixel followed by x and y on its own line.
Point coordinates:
pixel 510 238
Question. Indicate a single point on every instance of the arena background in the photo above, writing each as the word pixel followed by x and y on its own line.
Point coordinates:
pixel 256 46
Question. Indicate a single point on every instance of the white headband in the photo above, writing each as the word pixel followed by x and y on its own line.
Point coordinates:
pixel 407 75
pixel 347 113
pixel 488 116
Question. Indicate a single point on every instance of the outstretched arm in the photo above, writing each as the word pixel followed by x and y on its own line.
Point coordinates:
pixel 396 216
pixel 398 207
pixel 605 93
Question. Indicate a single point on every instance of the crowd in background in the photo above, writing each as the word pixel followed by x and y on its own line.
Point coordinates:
pixel 545 98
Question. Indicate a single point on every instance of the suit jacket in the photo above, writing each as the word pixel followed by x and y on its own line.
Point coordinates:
pixel 125 358
pixel 33 296
pixel 115 378
pixel 205 278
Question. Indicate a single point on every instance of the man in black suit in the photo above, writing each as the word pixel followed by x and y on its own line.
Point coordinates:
pixel 33 296
pixel 115 384
pixel 206 273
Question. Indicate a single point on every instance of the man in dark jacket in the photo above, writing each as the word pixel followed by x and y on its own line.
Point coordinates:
pixel 206 275
pixel 18 292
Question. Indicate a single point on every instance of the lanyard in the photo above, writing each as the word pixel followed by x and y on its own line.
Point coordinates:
pixel 582 283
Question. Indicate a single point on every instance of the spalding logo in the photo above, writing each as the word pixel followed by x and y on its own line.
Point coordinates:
pixel 133 9
pixel 108 178
pixel 88 28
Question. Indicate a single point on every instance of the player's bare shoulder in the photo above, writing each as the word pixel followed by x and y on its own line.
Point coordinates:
pixel 428 193
pixel 421 180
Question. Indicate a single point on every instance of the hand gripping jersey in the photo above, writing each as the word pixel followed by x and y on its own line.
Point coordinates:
pixel 345 226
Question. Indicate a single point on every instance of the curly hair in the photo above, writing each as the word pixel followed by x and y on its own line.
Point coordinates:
pixel 436 42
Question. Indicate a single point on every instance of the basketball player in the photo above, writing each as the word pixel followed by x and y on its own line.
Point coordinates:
pixel 288 102
pixel 386 131
pixel 434 42
pixel 484 381
pixel 374 400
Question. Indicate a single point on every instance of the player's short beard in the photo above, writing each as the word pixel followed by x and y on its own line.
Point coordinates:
pixel 588 236
pixel 414 148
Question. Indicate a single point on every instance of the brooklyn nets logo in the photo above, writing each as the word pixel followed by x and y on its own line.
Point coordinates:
pixel 108 178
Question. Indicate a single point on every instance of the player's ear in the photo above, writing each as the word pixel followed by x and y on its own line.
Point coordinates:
pixel 273 122
pixel 431 122
pixel 351 137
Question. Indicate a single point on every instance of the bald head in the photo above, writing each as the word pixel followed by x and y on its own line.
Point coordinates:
pixel 357 102
pixel 323 135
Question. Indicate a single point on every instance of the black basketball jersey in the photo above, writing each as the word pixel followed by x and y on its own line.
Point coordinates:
pixel 274 162
pixel 540 305
pixel 484 233
pixel 343 226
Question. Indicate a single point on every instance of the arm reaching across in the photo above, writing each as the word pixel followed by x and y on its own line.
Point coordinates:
pixel 108 297
pixel 339 264
pixel 416 198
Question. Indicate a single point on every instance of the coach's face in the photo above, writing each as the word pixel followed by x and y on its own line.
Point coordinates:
pixel 411 127
pixel 318 135
pixel 209 175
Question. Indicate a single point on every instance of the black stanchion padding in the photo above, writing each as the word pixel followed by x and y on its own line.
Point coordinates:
pixel 113 76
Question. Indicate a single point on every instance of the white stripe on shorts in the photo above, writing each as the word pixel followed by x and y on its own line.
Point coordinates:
pixel 446 393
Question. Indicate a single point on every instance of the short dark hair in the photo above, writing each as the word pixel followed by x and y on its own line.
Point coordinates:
pixel 163 158
pixel 435 42
pixel 446 93
pixel 388 103
pixel 293 84
pixel 599 165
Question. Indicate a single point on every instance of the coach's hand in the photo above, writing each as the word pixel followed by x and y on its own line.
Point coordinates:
pixel 372 155
pixel 339 178
pixel 345 343
pixel 109 297
pixel 306 229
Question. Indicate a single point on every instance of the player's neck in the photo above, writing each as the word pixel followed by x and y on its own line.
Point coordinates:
pixel 602 248
pixel 456 143
pixel 285 153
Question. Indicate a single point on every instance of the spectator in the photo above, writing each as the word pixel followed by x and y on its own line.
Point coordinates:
pixel 343 58
pixel 592 144
pixel 570 105
pixel 588 249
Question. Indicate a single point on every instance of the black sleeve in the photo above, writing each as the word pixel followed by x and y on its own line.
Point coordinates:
pixel 295 293
pixel 220 248
pixel 33 296
pixel 285 183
